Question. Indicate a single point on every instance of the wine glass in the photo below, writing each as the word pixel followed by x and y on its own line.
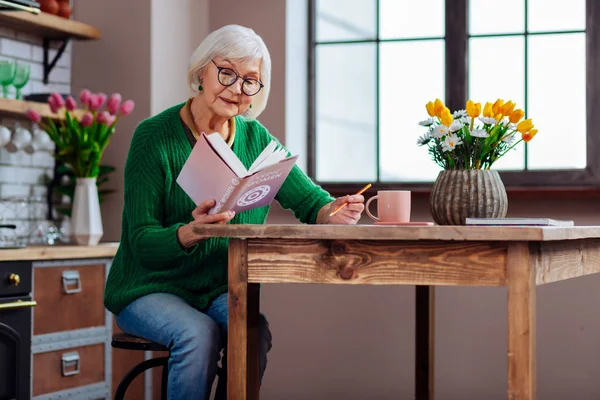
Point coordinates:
pixel 21 78
pixel 8 71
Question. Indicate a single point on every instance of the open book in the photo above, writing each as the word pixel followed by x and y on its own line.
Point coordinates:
pixel 213 171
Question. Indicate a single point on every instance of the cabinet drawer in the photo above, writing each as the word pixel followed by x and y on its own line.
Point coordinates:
pixel 67 368
pixel 68 298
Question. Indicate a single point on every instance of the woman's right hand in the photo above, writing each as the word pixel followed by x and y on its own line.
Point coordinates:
pixel 187 235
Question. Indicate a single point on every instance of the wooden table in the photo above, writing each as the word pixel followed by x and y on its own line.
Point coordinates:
pixel 519 258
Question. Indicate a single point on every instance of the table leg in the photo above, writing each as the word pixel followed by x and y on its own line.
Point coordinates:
pixel 243 335
pixel 424 342
pixel 521 323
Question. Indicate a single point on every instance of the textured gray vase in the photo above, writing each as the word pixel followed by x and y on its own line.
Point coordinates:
pixel 461 194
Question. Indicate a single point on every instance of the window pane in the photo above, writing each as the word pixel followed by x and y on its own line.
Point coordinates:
pixel 555 15
pixel 405 89
pixel 486 16
pixel 557 101
pixel 410 19
pixel 345 19
pixel 497 71
pixel 345 131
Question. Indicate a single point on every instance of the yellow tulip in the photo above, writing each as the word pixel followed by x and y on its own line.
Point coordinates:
pixel 497 107
pixel 430 109
pixel 529 135
pixel 446 117
pixel 516 116
pixel 525 126
pixel 487 110
pixel 498 116
pixel 507 108
pixel 473 109
pixel 439 108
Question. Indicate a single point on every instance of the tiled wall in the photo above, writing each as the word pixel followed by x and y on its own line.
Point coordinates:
pixel 22 174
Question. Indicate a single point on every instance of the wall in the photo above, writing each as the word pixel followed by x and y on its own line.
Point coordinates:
pixel 24 175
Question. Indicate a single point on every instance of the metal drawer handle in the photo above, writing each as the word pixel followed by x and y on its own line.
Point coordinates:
pixel 70 278
pixel 18 304
pixel 70 360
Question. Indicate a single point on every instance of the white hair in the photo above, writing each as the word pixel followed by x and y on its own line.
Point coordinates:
pixel 237 43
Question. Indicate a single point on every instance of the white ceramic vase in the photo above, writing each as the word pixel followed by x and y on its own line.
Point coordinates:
pixel 86 221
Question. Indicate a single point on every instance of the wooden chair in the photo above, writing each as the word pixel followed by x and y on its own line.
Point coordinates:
pixel 128 342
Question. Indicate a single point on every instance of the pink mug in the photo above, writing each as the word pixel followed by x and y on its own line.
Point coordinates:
pixel 392 206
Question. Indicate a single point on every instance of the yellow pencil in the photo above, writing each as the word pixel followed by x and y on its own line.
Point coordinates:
pixel 361 191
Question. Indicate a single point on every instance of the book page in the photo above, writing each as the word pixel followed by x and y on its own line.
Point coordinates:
pixel 271 155
pixel 226 154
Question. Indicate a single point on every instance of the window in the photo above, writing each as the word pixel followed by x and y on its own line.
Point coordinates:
pixel 375 63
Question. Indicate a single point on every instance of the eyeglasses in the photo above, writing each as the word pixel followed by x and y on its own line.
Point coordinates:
pixel 228 77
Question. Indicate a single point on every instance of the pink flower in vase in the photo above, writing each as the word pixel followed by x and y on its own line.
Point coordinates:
pixel 110 119
pixel 34 116
pixel 97 101
pixel 52 104
pixel 102 117
pixel 113 103
pixel 70 103
pixel 126 108
pixel 57 99
pixel 87 119
pixel 85 96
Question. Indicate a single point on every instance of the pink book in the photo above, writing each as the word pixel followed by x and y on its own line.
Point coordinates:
pixel 213 171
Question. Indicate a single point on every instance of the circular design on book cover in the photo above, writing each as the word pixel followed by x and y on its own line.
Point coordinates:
pixel 254 195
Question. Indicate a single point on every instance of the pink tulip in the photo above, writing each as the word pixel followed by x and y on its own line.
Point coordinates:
pixel 110 119
pixel 126 108
pixel 87 119
pixel 71 103
pixel 85 97
pixel 100 100
pixel 53 106
pixel 33 115
pixel 102 117
pixel 113 103
pixel 58 99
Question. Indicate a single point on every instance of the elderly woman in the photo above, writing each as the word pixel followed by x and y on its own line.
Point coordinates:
pixel 167 283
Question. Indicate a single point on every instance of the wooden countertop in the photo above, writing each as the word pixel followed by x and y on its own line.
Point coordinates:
pixel 59 252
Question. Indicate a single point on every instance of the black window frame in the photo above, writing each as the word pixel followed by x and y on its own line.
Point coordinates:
pixel 456 74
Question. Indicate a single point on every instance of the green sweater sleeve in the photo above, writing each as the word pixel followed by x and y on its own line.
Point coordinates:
pixel 298 193
pixel 152 243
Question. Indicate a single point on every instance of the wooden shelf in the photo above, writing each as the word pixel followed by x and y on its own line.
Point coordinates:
pixel 17 108
pixel 48 26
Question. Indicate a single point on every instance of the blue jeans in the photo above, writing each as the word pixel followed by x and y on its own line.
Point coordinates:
pixel 195 340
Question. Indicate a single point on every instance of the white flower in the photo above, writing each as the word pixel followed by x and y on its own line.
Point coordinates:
pixel 423 139
pixel 439 131
pixel 459 114
pixel 480 133
pixel 508 139
pixel 427 121
pixel 456 126
pixel 488 120
pixel 512 127
pixel 451 142
pixel 466 120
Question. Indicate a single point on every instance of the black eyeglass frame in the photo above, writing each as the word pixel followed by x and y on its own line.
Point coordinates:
pixel 237 76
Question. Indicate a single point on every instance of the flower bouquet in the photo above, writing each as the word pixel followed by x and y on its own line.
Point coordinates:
pixel 80 142
pixel 81 138
pixel 466 144
pixel 470 139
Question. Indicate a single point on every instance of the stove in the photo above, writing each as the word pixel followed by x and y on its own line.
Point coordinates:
pixel 15 330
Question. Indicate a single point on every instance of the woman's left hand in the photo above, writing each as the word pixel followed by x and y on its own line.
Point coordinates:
pixel 349 215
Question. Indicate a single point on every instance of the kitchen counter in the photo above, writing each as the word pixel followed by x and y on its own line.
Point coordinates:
pixel 59 252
